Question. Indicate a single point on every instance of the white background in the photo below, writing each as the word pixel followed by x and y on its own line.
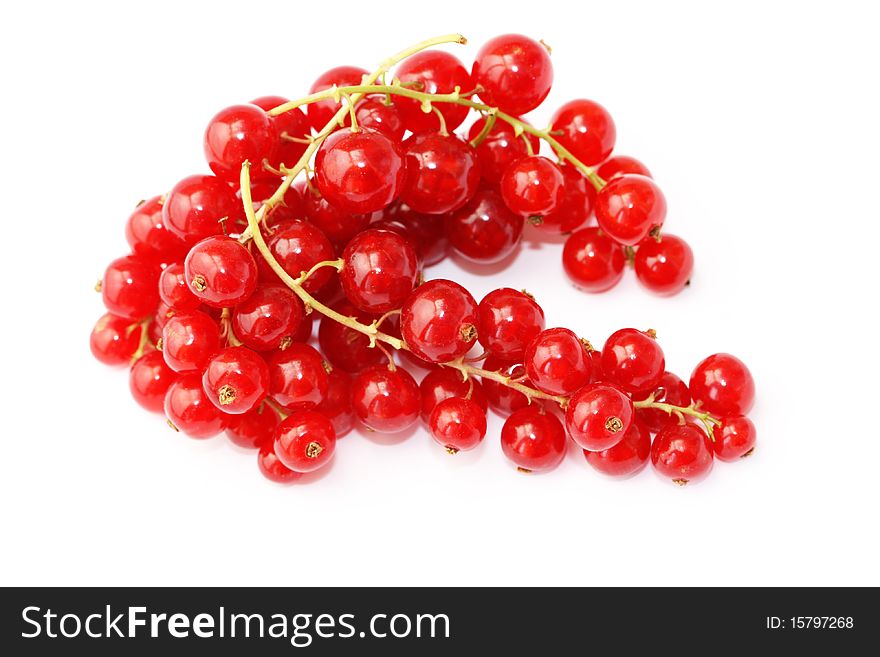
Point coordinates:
pixel 760 122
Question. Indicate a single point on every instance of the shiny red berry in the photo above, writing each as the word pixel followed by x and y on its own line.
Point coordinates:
pixel 664 265
pixel 670 390
pixel 336 405
pixel 380 269
pixel 359 172
pixel 682 453
pixel 149 380
pixel 376 113
pixel 320 113
pixel 298 378
pixel 345 347
pixel 533 186
pixel 197 207
pixel 338 226
pixel 514 72
pixel 485 230
pixel 189 340
pixel 587 129
pixel 593 261
pixel 189 410
pixel 147 235
pixel 734 438
pixel 433 72
pixel 442 172
pixel 438 321
pixel 533 440
pixel 500 148
pixel 627 457
pixel 385 400
pixel 629 208
pixel 114 340
pixel 633 360
pixel 444 383
pixel 236 380
pixel 426 232
pixel 723 385
pixel 292 123
pixel 272 467
pixel 297 247
pixel 575 208
pixel 220 271
pixel 268 317
pixel 236 134
pixel 457 424
pixel 556 362
pixel 252 429
pixel 174 289
pixel 620 165
pixel 598 416
pixel 130 287
pixel 305 441
pixel 508 321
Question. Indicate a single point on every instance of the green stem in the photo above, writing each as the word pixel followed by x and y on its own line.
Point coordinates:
pixel 708 420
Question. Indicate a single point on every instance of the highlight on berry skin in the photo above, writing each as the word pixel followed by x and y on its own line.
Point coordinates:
pixel 285 299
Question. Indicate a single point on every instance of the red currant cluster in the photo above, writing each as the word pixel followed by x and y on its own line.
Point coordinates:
pixel 215 303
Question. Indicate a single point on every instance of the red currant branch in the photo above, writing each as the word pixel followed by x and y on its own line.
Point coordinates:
pixel 708 420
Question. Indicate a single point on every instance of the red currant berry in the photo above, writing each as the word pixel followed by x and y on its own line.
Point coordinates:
pixel 533 440
pixel 344 347
pixel 272 468
pixel 596 373
pixel 160 319
pixel 271 315
pixel 439 321
pixel 236 380
pixel 444 383
pixel 533 186
pixel 337 225
pixel 500 148
pixel 114 340
pixel 593 261
pixel 189 410
pixel 633 360
pixel 305 441
pixel 174 290
pixel 587 130
pixel 320 113
pixel 380 269
pixel 504 399
pixel 620 165
pixel 252 429
pixel 627 457
pixel 514 72
pixel 670 390
pixel 374 113
pixel 221 271
pixel 484 231
pixel 189 340
pixel 130 287
pixel 385 400
pixel 336 405
pixel 433 72
pixel 509 320
pixel 575 208
pixel 292 123
pixel 442 172
pixel 664 265
pixel 298 247
pixel 298 378
pixel 196 207
pixel 723 385
pixel 360 171
pixel 598 416
pixel 629 208
pixel 292 205
pixel 149 380
pixel 458 424
pixel 147 235
pixel 426 232
pixel 682 453
pixel 734 438
pixel 236 134
pixel 556 362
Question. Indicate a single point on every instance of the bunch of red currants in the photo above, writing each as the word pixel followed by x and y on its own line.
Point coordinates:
pixel 214 306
